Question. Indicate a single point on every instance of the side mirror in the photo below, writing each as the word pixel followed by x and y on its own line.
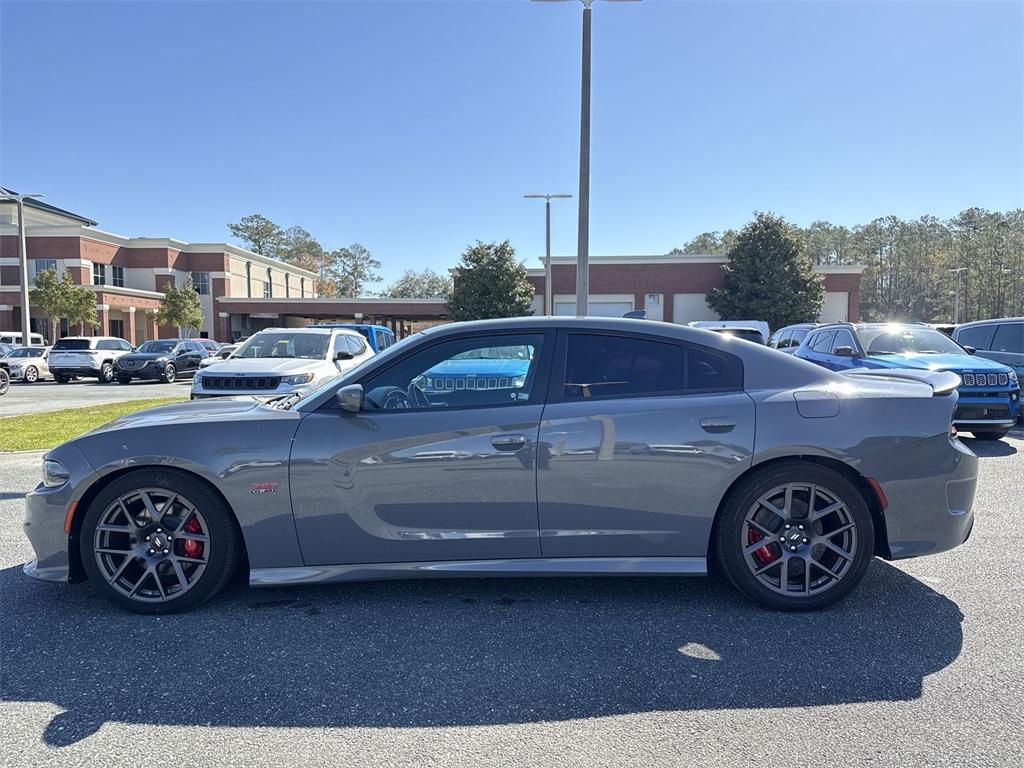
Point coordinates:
pixel 343 355
pixel 970 350
pixel 350 398
pixel 843 351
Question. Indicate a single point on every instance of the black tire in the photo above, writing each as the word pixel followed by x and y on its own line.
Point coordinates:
pixel 728 541
pixel 994 434
pixel 169 374
pixel 124 379
pixel 60 378
pixel 30 375
pixel 5 382
pixel 106 374
pixel 224 538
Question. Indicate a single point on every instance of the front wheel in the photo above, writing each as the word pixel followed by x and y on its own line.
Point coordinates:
pixel 106 374
pixel 170 372
pixel 993 434
pixel 31 375
pixel 159 541
pixel 796 536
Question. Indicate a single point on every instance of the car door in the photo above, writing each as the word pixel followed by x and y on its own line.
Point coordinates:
pixel 843 340
pixel 1008 346
pixel 425 475
pixel 191 353
pixel 640 438
pixel 818 347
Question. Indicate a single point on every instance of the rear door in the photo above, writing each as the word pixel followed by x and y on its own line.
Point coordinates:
pixel 639 440
pixel 1008 346
pixel 818 348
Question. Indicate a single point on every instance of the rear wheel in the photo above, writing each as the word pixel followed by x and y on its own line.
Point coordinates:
pixel 61 378
pixel 159 541
pixel 796 536
pixel 994 434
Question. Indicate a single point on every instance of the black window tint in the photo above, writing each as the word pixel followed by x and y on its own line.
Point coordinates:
pixel 104 344
pixel 71 344
pixel 823 342
pixel 475 372
pixel 979 337
pixel 798 336
pixel 785 340
pixel 843 338
pixel 1009 338
pixel 708 371
pixel 609 366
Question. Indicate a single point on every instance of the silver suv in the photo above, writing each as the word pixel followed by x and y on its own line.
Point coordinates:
pixel 91 356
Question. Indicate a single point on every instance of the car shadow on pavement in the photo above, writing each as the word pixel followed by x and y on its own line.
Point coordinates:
pixel 463 652
pixel 987 448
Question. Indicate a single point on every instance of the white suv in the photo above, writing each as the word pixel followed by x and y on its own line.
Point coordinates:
pixel 91 356
pixel 282 361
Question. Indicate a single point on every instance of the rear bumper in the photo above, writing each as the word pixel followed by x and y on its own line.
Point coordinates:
pixel 930 487
pixel 78 370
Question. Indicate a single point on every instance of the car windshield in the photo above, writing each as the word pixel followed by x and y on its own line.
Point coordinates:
pixel 309 346
pixel 906 339
pixel 27 352
pixel 157 347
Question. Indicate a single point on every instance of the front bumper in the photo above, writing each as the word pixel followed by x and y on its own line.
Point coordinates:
pixel 930 486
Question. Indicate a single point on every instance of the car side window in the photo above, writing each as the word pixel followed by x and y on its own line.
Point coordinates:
pixel 786 340
pixel 1009 337
pixel 823 342
pixel 612 366
pixel 124 346
pixel 979 337
pixel 798 336
pixel 843 338
pixel 105 344
pixel 474 372
pixel 357 345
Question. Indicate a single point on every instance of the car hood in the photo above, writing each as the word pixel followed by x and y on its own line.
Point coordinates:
pixel 199 411
pixel 947 361
pixel 480 367
pixel 278 365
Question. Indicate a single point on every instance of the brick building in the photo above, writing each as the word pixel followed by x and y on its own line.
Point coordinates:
pixel 128 274
pixel 671 288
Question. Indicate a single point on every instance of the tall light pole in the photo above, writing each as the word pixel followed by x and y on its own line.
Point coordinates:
pixel 548 307
pixel 956 301
pixel 583 231
pixel 26 336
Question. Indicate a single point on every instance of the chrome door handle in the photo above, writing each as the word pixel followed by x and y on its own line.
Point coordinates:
pixel 508 442
pixel 717 425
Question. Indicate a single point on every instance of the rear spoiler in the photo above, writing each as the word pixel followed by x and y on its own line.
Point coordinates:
pixel 941 382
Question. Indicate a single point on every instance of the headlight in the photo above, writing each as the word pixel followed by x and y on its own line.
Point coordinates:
pixel 54 474
pixel 519 381
pixel 1013 376
pixel 302 378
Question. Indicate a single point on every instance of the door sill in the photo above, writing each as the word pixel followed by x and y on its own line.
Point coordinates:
pixel 529 567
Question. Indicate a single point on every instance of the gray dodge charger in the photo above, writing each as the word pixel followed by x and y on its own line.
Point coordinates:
pixel 526 447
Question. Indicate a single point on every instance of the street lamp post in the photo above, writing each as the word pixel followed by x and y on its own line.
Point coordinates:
pixel 548 307
pixel 583 231
pixel 26 336
pixel 956 301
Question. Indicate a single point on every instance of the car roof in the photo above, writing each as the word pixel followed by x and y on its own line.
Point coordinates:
pixel 993 321
pixel 349 326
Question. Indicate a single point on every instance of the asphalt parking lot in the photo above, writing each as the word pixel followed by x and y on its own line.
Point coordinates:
pixel 50 396
pixel 923 665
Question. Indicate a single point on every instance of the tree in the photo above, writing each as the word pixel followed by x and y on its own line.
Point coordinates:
pixel 180 307
pixel 354 267
pixel 51 296
pixel 303 250
pixel 427 284
pixel 715 243
pixel 769 276
pixel 259 233
pixel 81 308
pixel 490 282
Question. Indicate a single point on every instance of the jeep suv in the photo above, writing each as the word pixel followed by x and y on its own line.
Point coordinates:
pixel 282 361
pixel 91 356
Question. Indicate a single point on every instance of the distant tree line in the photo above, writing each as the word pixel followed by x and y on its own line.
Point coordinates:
pixel 909 263
pixel 341 272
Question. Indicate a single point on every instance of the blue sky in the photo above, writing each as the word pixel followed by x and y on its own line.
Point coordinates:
pixel 415 128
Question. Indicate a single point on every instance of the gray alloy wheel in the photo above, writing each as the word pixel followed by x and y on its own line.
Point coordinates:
pixel 795 536
pixel 159 541
pixel 152 545
pixel 5 382
pixel 106 373
pixel 170 372
pixel 31 374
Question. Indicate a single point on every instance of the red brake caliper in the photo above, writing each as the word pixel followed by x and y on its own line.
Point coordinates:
pixel 195 548
pixel 764 554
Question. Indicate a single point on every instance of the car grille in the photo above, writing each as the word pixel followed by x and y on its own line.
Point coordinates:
pixel 981 413
pixel 985 379
pixel 241 382
pixel 129 364
pixel 494 382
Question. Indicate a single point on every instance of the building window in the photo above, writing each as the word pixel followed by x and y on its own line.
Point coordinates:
pixel 266 290
pixel 99 274
pixel 201 281
pixel 41 265
pixel 116 326
pixel 117 278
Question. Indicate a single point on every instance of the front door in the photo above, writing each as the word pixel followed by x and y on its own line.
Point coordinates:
pixel 641 436
pixel 439 465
